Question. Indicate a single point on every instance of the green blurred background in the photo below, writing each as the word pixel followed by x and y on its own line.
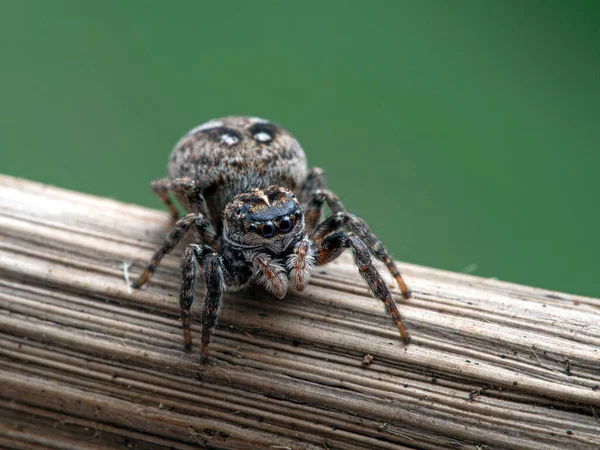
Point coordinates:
pixel 466 133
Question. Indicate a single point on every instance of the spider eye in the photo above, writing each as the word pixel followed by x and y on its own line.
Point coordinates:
pixel 286 225
pixel 252 227
pixel 297 215
pixel 268 229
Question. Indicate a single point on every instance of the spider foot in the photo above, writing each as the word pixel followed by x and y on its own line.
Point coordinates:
pixel 406 291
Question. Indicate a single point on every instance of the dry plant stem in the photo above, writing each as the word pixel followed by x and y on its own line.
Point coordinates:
pixel 86 363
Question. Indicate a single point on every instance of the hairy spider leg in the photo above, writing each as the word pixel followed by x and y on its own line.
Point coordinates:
pixel 315 181
pixel 334 244
pixel 210 261
pixel 313 208
pixel 187 192
pixel 161 189
pixel 358 226
pixel 205 231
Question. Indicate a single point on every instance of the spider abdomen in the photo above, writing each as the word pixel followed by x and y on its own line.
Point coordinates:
pixel 232 155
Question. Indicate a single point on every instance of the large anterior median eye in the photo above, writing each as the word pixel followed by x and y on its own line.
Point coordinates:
pixel 286 225
pixel 268 229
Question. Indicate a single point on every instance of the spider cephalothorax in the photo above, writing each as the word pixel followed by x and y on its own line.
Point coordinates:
pixel 270 218
pixel 257 211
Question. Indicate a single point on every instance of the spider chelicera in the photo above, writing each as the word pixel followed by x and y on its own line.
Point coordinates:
pixel 257 209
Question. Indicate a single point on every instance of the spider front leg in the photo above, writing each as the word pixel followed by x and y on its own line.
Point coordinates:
pixel 205 231
pixel 186 190
pixel 333 246
pixel 215 286
pixel 358 226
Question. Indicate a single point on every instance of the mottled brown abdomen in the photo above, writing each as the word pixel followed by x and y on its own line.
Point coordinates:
pixel 232 155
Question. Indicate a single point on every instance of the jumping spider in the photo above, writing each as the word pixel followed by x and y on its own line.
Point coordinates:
pixel 256 209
